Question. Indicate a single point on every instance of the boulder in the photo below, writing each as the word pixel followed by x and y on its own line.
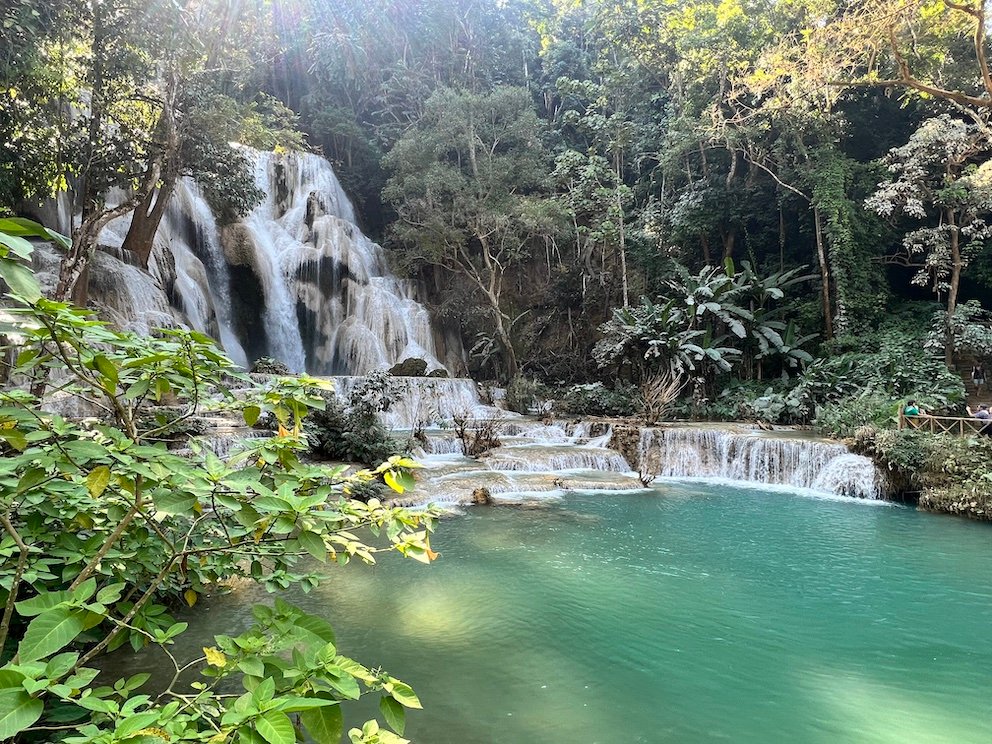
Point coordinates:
pixel 482 497
pixel 411 367
pixel 270 366
pixel 439 372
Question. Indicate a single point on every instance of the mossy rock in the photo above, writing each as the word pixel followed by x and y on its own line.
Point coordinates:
pixel 412 367
pixel 439 372
pixel 270 366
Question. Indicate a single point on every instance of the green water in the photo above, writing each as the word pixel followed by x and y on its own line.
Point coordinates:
pixel 693 614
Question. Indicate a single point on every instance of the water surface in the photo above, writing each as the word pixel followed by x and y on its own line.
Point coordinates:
pixel 693 613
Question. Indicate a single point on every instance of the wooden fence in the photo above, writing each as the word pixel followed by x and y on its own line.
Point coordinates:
pixel 962 427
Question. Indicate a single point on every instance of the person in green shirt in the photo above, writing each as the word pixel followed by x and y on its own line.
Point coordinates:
pixel 911 409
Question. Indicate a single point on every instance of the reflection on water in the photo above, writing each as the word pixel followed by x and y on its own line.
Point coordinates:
pixel 692 613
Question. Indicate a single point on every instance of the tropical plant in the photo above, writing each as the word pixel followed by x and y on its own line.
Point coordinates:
pixel 103 528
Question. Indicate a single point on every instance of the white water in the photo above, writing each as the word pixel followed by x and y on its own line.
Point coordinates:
pixel 428 402
pixel 296 279
pixel 551 458
pixel 690 452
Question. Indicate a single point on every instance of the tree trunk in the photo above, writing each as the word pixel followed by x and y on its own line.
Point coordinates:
pixel 705 242
pixel 952 291
pixel 729 238
pixel 821 254
pixel 151 208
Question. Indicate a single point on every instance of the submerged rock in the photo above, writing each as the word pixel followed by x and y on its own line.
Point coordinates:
pixel 482 497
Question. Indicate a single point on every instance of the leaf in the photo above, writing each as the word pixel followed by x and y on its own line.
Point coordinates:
pixel 251 666
pixel 215 657
pixel 316 626
pixel 276 728
pixel 312 543
pixel 98 480
pixel 190 596
pixel 18 710
pixel 251 414
pixel 41 602
pixel 107 369
pixel 325 725
pixel 50 632
pixel 20 279
pixel 15 439
pixel 404 695
pixel 30 479
pixel 394 714
pixel 393 481
pixel 170 502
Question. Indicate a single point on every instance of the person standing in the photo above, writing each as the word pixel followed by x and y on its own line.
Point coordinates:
pixel 978 377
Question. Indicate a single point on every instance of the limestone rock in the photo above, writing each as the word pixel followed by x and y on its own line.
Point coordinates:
pixel 482 497
pixel 412 367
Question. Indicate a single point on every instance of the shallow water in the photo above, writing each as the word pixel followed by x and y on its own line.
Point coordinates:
pixel 691 613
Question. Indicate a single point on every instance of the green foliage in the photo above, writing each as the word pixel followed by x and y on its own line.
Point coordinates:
pixel 352 431
pixel 103 528
pixel 596 399
pixel 712 320
pixel 843 417
pixel 893 363
pixel 524 395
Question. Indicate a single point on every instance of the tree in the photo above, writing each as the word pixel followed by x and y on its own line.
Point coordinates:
pixel 936 179
pixel 103 527
pixel 467 186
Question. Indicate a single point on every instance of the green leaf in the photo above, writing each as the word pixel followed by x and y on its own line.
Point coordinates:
pixel 325 725
pixel 404 695
pixel 19 246
pixel 98 480
pixel 41 602
pixel 170 502
pixel 15 439
pixel 252 666
pixel 30 479
pixel 394 714
pixel 50 632
pixel 316 626
pixel 312 543
pixel 20 279
pixel 276 728
pixel 251 414
pixel 18 710
pixel 135 723
pixel 106 368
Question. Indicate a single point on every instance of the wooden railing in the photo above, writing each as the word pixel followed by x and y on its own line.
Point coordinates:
pixel 962 427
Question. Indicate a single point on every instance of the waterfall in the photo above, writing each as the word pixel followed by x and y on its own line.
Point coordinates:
pixel 548 458
pixel 330 304
pixel 427 401
pixel 756 458
pixel 295 280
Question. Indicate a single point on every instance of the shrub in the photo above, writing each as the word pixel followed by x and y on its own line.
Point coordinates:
pixel 595 399
pixel 524 396
pixel 845 417
pixel 104 528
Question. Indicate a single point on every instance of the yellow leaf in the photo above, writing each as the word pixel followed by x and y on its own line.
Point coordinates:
pixel 283 431
pixel 154 731
pixel 215 657
pixel 390 477
pixel 190 596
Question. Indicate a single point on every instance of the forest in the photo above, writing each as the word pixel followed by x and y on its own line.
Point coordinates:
pixel 618 214
pixel 564 179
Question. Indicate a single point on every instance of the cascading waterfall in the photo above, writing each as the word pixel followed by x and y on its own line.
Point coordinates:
pixel 330 304
pixel 427 401
pixel 295 280
pixel 743 456
pixel 548 458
